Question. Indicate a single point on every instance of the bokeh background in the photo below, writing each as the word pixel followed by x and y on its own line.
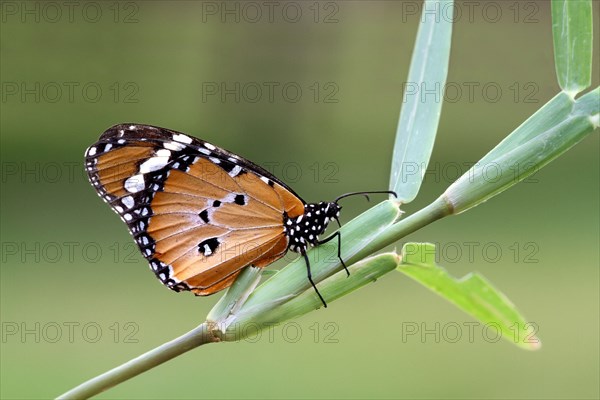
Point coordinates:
pixel 77 299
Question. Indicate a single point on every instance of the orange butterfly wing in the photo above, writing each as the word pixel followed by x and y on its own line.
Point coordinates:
pixel 198 213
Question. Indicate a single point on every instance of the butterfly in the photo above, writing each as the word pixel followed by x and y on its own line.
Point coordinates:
pixel 198 213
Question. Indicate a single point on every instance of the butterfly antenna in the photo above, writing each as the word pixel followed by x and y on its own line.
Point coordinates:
pixel 366 194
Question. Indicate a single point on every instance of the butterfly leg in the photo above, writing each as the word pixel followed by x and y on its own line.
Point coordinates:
pixel 310 278
pixel 339 237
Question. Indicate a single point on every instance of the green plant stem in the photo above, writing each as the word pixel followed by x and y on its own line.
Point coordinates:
pixel 438 209
pixel 194 338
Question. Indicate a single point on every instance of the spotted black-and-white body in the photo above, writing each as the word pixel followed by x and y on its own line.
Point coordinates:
pixel 304 230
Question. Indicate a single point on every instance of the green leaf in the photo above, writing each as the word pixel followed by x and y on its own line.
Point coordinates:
pixel 572 33
pixel 551 114
pixel 473 294
pixel 422 100
pixel 332 288
pixel 551 131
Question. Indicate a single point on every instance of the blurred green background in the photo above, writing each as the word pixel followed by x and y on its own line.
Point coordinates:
pixel 77 299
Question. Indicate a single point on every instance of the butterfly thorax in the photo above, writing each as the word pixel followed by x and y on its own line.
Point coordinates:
pixel 304 231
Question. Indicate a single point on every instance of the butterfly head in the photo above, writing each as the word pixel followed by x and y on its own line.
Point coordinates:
pixel 332 211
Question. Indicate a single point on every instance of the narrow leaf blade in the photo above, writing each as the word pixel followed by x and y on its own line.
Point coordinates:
pixel 551 131
pixel 422 100
pixel 473 294
pixel 572 33
pixel 549 115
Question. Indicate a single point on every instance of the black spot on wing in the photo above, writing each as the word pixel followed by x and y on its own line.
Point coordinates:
pixel 240 199
pixel 227 165
pixel 208 246
pixel 204 216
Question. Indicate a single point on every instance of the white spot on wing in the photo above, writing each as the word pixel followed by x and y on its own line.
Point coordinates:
pixel 209 146
pixel 91 151
pixel 235 171
pixel 154 163
pixel 135 183
pixel 174 146
pixel 179 137
pixel 128 201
